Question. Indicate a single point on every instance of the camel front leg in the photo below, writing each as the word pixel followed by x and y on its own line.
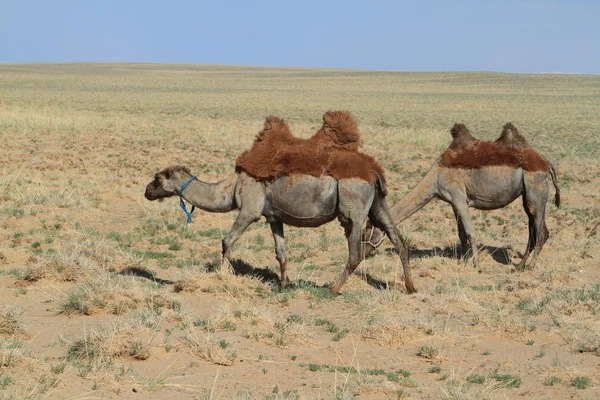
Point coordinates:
pixel 277 230
pixel 353 234
pixel 461 210
pixel 241 223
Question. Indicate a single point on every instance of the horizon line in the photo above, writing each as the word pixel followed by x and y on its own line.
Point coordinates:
pixel 296 67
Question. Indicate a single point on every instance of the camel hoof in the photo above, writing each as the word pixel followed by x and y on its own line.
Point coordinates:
pixel 284 284
pixel 335 290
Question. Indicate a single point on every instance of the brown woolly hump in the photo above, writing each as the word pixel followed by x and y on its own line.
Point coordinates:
pixel 461 137
pixel 276 125
pixel 341 127
pixel 333 151
pixel 459 129
pixel 510 137
pixel 485 153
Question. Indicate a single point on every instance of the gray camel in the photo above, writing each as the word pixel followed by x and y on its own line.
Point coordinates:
pixel 486 187
pixel 297 200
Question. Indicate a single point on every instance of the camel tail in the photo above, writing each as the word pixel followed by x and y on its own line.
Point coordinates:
pixel 380 184
pixel 552 172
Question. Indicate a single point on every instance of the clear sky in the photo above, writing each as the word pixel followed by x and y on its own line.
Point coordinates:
pixel 419 35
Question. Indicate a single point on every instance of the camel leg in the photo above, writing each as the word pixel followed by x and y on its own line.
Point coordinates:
pixel 277 230
pixel 241 223
pixel 462 235
pixel 534 203
pixel 353 230
pixel 381 218
pixel 530 240
pixel 461 209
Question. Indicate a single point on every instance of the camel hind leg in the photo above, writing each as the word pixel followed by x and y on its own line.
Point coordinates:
pixel 353 229
pixel 277 230
pixel 354 201
pixel 535 198
pixel 381 218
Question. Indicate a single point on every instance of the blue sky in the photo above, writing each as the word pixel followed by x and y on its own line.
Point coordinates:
pixel 426 35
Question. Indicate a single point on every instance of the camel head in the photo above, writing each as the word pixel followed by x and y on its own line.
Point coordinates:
pixel 167 182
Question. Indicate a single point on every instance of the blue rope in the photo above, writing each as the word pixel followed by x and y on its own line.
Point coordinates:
pixel 182 203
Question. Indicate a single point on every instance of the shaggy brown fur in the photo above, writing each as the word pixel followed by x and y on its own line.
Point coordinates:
pixel 461 137
pixel 511 149
pixel 511 138
pixel 333 151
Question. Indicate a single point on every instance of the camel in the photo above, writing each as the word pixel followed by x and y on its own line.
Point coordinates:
pixel 296 199
pixel 485 176
pixel 303 201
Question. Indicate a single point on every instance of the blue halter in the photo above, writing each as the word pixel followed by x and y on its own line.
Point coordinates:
pixel 182 203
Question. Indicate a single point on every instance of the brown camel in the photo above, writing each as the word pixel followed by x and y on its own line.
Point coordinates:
pixel 295 199
pixel 486 176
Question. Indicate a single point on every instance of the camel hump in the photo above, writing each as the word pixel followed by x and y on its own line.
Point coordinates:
pixel 274 125
pixel 510 137
pixel 461 137
pixel 341 127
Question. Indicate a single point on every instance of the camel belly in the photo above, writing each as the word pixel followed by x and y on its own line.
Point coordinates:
pixel 494 187
pixel 302 200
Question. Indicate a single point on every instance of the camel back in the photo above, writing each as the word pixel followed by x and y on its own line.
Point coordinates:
pixel 484 153
pixel 332 151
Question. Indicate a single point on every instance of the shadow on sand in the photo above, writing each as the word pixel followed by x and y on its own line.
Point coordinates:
pixel 271 278
pixel 242 268
pixel 499 254
pixel 144 273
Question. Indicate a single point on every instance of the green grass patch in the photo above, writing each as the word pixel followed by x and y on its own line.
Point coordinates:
pixel 581 382
pixel 552 380
pixel 507 380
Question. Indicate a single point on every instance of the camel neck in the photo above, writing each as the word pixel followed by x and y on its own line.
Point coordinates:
pixel 212 197
pixel 417 198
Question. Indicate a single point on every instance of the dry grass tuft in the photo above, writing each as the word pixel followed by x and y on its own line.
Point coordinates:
pixel 10 322
pixel 117 294
pixel 389 332
pixel 99 347
pixel 208 346
pixel 11 351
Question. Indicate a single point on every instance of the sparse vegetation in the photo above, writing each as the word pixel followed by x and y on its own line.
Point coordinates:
pixel 99 286
pixel 581 382
pixel 428 351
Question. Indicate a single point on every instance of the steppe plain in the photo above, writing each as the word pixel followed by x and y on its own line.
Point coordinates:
pixel 104 294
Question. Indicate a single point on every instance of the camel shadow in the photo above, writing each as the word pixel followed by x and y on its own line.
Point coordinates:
pixel 500 254
pixel 271 278
pixel 374 282
pixel 242 268
pixel 144 273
